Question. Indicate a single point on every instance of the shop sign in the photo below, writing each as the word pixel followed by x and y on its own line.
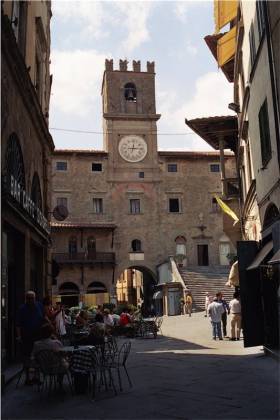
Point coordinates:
pixel 20 195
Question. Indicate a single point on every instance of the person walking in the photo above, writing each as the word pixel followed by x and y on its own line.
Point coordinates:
pixel 208 300
pixel 215 310
pixel 30 318
pixel 189 304
pixel 225 313
pixel 235 311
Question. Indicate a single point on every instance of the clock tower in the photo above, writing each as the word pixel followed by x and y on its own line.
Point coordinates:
pixel 129 118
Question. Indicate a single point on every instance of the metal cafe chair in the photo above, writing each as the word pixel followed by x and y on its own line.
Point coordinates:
pixel 53 369
pixel 120 362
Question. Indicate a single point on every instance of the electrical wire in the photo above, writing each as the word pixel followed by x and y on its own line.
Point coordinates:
pixel 68 130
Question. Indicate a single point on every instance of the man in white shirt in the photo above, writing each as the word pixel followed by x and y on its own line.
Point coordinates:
pixel 235 311
pixel 215 311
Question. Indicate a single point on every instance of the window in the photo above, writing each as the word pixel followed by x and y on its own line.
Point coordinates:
pixel 172 167
pixel 214 167
pixel 264 134
pixel 260 17
pixel 135 206
pixel 97 167
pixel 174 206
pixel 130 92
pixel 136 245
pixel 215 205
pixel 38 77
pixel 141 175
pixel 61 166
pixel 72 245
pixel 97 205
pixel 91 247
pixel 252 44
pixel 62 201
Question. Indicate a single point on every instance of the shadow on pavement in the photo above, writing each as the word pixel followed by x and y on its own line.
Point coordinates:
pixel 166 385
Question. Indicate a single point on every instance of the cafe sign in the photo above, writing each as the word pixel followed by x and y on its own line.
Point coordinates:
pixel 20 195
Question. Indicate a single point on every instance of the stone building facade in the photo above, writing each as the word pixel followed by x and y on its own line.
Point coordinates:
pixel 252 64
pixel 25 159
pixel 131 205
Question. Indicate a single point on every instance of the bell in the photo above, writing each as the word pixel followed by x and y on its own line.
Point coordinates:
pixel 130 95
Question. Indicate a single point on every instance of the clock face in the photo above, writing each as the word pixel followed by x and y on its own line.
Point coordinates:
pixel 133 148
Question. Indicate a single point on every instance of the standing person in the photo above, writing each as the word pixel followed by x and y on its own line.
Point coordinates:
pixel 60 320
pixel 215 310
pixel 30 318
pixel 208 300
pixel 108 320
pixel 235 311
pixel 224 314
pixel 189 304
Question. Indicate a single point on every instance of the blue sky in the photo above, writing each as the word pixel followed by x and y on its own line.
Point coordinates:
pixel 188 82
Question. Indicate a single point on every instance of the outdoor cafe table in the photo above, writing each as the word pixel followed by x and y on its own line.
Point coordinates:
pixel 72 349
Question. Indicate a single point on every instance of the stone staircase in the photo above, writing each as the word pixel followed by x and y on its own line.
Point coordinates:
pixel 206 279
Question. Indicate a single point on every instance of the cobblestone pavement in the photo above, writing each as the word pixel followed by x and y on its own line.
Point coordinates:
pixel 180 375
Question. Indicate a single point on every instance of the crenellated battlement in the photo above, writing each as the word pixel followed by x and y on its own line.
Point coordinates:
pixel 123 66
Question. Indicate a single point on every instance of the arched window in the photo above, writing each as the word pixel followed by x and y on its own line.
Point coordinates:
pixel 36 195
pixel 271 215
pixel 96 287
pixel 73 245
pixel 68 288
pixel 130 92
pixel 181 245
pixel 136 245
pixel 14 164
pixel 91 247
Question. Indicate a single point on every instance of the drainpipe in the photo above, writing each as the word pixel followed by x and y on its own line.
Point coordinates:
pixel 222 162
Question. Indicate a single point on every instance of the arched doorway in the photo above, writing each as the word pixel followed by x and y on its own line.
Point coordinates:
pixel 97 294
pixel 136 286
pixel 69 293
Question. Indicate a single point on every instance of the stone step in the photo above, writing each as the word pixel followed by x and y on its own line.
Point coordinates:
pixel 206 279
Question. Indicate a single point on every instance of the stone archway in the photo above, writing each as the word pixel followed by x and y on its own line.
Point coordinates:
pixel 69 293
pixel 135 286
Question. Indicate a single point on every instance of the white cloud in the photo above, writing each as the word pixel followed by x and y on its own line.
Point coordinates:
pixel 135 17
pixel 180 10
pixel 211 98
pixel 97 18
pixel 77 79
pixel 90 14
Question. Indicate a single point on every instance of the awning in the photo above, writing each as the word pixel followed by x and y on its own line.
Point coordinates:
pixel 276 258
pixel 261 256
pixel 157 295
pixel 224 12
pixel 226 47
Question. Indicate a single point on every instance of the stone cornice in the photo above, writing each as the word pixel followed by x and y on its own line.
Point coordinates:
pixel 134 117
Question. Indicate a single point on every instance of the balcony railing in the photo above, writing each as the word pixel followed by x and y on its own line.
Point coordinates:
pixel 85 258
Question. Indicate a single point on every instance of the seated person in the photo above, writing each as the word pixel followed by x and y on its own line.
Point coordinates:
pixel 108 319
pixel 125 318
pixel 137 315
pixel 95 337
pixel 47 340
pixel 82 319
pixel 116 319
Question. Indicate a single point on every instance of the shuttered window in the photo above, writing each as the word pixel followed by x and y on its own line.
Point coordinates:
pixel 264 134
